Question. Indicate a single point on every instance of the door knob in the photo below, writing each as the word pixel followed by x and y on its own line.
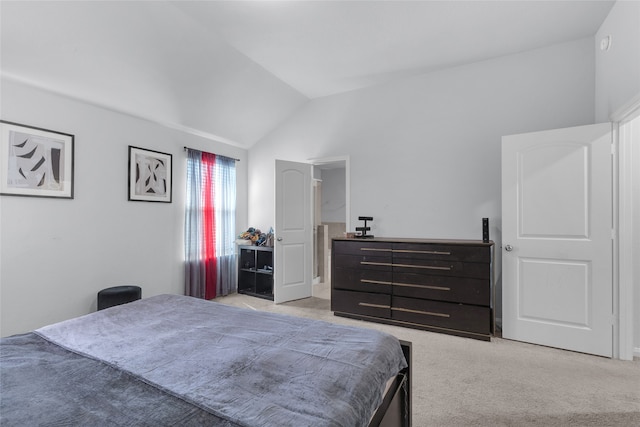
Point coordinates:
pixel 508 248
pixel 279 239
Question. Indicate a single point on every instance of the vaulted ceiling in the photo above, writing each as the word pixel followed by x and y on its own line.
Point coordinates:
pixel 234 70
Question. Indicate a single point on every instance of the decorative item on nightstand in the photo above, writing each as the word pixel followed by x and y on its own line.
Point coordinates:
pixel 364 229
pixel 485 230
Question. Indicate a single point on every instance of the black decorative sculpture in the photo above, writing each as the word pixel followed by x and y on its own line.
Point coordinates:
pixel 364 229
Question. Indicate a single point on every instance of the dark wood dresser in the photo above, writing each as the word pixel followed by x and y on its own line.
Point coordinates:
pixel 435 285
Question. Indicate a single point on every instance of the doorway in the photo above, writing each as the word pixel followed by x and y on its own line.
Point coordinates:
pixel 627 300
pixel 330 215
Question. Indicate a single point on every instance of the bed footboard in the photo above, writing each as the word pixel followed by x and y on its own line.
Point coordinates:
pixel 395 410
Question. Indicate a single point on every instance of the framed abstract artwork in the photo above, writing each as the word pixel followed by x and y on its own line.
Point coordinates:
pixel 35 162
pixel 150 174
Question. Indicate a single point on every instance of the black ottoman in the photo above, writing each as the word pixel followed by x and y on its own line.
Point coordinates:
pixel 118 295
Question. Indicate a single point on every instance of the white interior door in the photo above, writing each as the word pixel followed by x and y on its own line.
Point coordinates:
pixel 293 235
pixel 557 238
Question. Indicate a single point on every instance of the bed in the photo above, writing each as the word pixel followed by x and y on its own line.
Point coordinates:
pixel 175 360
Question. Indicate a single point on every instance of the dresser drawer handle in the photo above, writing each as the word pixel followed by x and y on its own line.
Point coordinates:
pixel 426 267
pixel 377 282
pixel 409 285
pixel 388 264
pixel 376 249
pixel 366 304
pixel 407 251
pixel 428 313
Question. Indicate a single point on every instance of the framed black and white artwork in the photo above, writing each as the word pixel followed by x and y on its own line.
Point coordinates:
pixel 149 175
pixel 35 162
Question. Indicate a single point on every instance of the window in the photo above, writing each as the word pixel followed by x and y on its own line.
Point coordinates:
pixel 209 233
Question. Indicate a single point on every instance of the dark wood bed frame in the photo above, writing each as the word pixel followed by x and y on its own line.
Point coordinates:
pixel 395 410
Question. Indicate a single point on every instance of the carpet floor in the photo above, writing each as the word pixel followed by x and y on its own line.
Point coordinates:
pixel 465 382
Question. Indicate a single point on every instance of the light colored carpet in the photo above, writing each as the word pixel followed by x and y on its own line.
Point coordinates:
pixel 465 382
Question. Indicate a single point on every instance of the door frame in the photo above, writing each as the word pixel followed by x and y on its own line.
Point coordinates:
pixel 324 161
pixel 347 175
pixel 625 224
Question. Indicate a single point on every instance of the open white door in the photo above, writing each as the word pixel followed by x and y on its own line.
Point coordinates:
pixel 293 243
pixel 557 238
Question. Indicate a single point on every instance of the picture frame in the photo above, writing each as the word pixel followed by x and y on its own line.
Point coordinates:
pixel 150 175
pixel 35 162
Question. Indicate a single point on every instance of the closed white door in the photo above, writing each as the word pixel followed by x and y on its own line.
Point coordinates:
pixel 293 233
pixel 557 238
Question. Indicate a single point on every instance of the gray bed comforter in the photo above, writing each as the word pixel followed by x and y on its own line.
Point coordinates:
pixel 42 384
pixel 211 363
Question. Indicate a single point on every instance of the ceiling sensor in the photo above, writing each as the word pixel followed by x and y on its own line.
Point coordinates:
pixel 605 43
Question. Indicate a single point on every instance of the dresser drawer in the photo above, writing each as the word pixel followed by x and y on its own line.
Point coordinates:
pixel 362 280
pixel 362 247
pixel 367 262
pixel 431 284
pixel 442 268
pixel 454 289
pixel 442 314
pixel 366 304
pixel 442 252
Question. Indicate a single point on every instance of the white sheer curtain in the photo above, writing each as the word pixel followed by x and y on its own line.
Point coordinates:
pixel 194 266
pixel 225 203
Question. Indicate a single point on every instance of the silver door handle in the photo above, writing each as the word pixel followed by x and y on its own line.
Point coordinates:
pixel 279 239
pixel 508 248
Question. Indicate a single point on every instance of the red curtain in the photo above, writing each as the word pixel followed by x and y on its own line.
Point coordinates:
pixel 209 225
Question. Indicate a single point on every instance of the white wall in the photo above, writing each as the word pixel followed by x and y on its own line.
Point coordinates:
pixel 55 255
pixel 617 84
pixel 334 207
pixel 618 69
pixel 153 58
pixel 425 151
